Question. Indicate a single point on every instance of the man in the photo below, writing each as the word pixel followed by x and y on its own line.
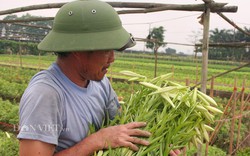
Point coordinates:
pixel 61 103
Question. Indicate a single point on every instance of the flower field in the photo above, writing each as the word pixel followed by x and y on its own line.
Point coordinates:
pixel 16 71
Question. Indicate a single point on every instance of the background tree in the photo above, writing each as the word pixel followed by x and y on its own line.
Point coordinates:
pixel 195 38
pixel 228 53
pixel 170 51
pixel 16 32
pixel 156 39
pixel 18 37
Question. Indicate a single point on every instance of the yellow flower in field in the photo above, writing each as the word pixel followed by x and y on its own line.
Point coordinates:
pixel 8 135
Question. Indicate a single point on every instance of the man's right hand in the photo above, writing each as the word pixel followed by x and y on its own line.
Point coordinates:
pixel 123 136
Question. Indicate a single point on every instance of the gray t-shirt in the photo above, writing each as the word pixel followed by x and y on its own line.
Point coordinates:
pixel 55 110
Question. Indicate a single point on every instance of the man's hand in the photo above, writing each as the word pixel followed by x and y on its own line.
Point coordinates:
pixel 175 152
pixel 123 136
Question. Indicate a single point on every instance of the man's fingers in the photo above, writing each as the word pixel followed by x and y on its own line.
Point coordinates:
pixel 174 152
pixel 177 151
pixel 138 132
pixel 135 140
pixel 131 146
pixel 133 125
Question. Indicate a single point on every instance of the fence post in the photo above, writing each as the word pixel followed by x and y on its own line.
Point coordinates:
pixel 240 115
pixel 212 87
pixel 233 119
pixel 172 70
pixel 187 81
pixel 197 74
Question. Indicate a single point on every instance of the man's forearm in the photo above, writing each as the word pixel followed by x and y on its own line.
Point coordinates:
pixel 84 148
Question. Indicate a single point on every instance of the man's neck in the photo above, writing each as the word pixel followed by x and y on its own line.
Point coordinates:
pixel 69 69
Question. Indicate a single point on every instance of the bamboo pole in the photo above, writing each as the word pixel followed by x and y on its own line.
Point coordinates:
pixel 233 120
pixel 132 82
pixel 220 123
pixel 187 81
pixel 206 20
pixel 28 20
pixel 247 100
pixel 32 26
pixel 150 7
pixel 197 74
pixel 241 110
pixel 20 56
pixel 212 87
pixel 156 59
pixel 228 44
pixel 247 137
pixel 233 24
pixel 211 95
pixel 225 113
pixel 228 71
pixel 39 61
pixel 172 70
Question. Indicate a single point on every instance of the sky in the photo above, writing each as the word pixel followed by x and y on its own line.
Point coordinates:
pixel 180 26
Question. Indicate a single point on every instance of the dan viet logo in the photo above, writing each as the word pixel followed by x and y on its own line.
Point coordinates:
pixel 39 127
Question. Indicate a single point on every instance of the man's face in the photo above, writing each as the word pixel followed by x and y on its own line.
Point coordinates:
pixel 94 65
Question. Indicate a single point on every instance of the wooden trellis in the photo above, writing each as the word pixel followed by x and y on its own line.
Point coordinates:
pixel 206 8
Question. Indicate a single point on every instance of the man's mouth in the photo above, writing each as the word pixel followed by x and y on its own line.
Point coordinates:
pixel 105 69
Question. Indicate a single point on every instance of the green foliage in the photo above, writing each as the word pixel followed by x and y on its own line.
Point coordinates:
pixel 8 112
pixel 223 138
pixel 11 90
pixel 244 152
pixel 212 151
pixel 8 145
pixel 13 81
pixel 228 53
pixel 13 47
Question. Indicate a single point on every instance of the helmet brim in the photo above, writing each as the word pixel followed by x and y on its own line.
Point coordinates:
pixel 70 42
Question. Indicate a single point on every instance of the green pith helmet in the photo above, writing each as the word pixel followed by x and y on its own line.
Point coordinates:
pixel 86 25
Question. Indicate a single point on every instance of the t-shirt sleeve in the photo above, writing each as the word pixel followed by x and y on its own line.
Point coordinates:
pixel 40 114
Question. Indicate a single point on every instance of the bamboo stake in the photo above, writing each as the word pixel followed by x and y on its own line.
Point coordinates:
pixel 33 26
pixel 248 136
pixel 232 23
pixel 212 87
pixel 247 100
pixel 233 120
pixel 205 22
pixel 241 110
pixel 227 44
pixel 218 126
pixel 187 81
pixel 172 70
pixel 197 74
pixel 211 95
pixel 228 71
pixel 216 7
pixel 155 72
pixel 132 82
pixel 39 61
pixel 28 20
pixel 223 119
pixel 20 56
